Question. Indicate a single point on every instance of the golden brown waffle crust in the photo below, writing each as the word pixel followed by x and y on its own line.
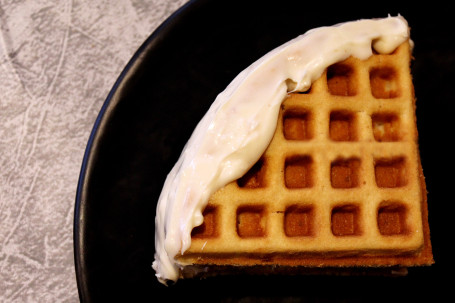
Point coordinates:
pixel 273 249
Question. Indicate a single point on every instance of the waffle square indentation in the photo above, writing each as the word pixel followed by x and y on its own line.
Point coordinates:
pixel 298 221
pixel 254 178
pixel 340 80
pixel 298 172
pixel 384 83
pixel 345 220
pixel 344 173
pixel 342 126
pixel 392 218
pixel 208 228
pixel 386 127
pixel 390 173
pixel 296 125
pixel 251 221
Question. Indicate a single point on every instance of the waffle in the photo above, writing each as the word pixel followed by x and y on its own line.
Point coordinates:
pixel 339 187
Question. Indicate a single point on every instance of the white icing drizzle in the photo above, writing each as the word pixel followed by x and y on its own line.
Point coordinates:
pixel 241 122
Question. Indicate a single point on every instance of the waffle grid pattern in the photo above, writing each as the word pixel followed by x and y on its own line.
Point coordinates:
pixel 341 174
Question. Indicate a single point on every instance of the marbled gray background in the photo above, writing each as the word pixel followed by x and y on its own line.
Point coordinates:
pixel 58 61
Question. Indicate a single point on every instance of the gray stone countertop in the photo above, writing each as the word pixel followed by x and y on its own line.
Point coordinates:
pixel 58 61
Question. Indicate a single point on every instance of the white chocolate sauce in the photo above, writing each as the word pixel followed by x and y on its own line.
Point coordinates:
pixel 241 122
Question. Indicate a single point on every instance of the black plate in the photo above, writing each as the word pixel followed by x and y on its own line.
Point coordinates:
pixel 164 91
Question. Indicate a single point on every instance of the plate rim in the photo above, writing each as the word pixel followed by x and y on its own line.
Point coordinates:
pixel 152 41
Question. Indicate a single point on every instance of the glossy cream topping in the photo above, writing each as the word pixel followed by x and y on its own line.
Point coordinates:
pixel 241 122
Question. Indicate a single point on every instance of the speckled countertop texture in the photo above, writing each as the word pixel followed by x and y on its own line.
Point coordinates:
pixel 58 61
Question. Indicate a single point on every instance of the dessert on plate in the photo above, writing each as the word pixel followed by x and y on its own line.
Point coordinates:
pixel 308 162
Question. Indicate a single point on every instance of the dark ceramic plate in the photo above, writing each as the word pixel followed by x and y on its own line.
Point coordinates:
pixel 164 91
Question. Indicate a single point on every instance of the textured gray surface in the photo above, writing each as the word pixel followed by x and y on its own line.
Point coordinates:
pixel 58 61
